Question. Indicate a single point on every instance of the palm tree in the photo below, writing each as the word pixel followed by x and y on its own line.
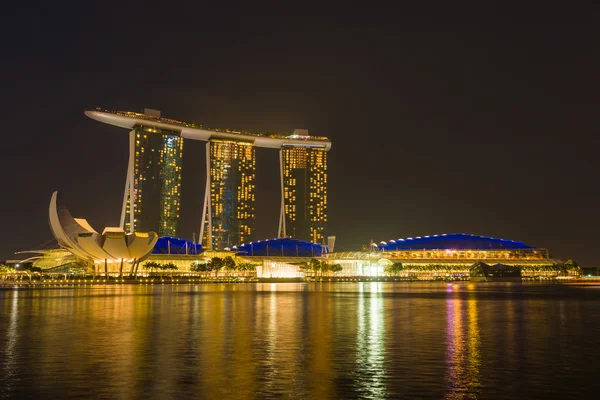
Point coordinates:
pixel 324 267
pixel 170 266
pixel 313 265
pixel 246 267
pixel 206 268
pixel 195 266
pixel 151 265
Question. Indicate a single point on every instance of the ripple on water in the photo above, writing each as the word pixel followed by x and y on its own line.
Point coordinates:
pixel 322 341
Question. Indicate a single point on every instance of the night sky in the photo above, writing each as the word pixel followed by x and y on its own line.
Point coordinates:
pixel 464 117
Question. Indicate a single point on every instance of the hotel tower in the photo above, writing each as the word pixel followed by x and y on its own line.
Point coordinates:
pixel 304 191
pixel 153 184
pixel 152 196
pixel 230 194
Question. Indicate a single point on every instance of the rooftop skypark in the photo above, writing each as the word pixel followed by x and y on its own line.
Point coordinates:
pixel 298 135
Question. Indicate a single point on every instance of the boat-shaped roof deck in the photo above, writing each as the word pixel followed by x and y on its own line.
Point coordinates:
pixel 131 120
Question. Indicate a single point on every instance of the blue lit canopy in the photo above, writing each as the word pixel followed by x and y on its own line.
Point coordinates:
pixel 284 247
pixel 172 245
pixel 454 241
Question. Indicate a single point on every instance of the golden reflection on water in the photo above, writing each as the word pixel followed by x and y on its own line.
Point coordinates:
pixel 463 357
pixel 270 341
pixel 370 342
pixel 12 335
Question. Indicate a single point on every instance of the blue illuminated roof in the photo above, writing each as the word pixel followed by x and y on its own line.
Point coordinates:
pixel 172 245
pixel 455 241
pixel 285 247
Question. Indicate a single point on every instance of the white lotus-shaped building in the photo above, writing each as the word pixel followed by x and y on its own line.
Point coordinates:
pixel 77 236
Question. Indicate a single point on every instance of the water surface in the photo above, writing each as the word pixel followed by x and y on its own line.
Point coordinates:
pixel 320 341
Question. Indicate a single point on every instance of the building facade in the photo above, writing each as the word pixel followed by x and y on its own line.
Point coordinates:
pixel 304 184
pixel 156 189
pixel 229 217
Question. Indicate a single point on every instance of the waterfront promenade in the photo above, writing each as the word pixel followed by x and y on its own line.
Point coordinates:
pixel 39 282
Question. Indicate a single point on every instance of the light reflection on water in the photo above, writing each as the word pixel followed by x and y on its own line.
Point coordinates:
pixel 370 341
pixel 463 358
pixel 323 341
pixel 11 355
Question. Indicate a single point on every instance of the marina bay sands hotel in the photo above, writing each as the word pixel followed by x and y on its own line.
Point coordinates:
pixel 152 197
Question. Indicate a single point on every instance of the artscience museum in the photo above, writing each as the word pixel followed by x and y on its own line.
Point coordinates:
pixel 113 246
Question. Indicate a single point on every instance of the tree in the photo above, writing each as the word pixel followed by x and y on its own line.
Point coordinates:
pixel 312 265
pixel 6 269
pixel 328 269
pixel 229 263
pixel 336 268
pixel 196 266
pixel 169 267
pixel 216 264
pixel 571 264
pixel 324 268
pixel 201 267
pixel 319 267
pixel 246 267
pixel 393 269
pixel 573 268
pixel 151 265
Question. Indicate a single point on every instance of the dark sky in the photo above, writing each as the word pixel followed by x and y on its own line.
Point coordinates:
pixel 477 117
